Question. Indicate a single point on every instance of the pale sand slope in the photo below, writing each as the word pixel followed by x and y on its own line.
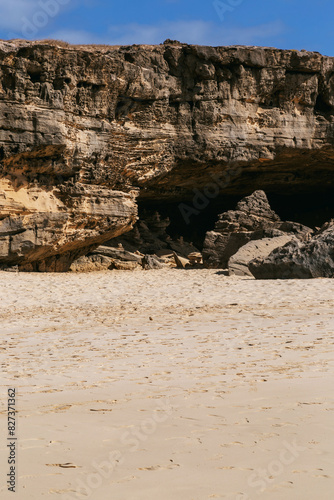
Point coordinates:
pixel 227 392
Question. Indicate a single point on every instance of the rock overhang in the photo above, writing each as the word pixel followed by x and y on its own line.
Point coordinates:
pixel 163 119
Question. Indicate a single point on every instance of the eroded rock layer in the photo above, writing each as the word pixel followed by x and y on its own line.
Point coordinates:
pixel 253 219
pixel 46 230
pixel 297 260
pixel 83 127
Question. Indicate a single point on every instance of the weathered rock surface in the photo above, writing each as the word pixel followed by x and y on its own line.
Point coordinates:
pixel 195 258
pixel 314 259
pixel 253 219
pixel 47 233
pixel 117 253
pixel 180 262
pixel 122 265
pixel 80 123
pixel 152 262
pixel 303 233
pixel 161 117
pixel 98 262
pixel 91 263
pixel 258 249
pixel 149 236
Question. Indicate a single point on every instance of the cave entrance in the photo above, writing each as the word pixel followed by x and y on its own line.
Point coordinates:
pixel 185 220
pixel 309 208
pixel 312 209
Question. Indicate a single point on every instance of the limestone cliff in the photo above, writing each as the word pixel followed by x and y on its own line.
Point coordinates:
pixel 83 127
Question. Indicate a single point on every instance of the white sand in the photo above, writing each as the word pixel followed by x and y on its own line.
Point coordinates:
pixel 199 385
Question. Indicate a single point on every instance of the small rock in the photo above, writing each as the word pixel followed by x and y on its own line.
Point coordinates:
pixel 122 265
pixel 180 261
pixel 12 269
pixel 117 253
pixel 195 257
pixel 151 262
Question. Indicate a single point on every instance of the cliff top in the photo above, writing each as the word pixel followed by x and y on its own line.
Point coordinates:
pixel 8 45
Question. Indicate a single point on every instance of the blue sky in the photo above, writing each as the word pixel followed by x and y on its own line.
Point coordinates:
pixel 287 24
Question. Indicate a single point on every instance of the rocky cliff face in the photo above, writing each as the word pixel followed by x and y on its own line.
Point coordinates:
pixel 82 128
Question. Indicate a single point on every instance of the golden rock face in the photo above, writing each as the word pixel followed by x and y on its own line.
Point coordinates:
pixel 83 128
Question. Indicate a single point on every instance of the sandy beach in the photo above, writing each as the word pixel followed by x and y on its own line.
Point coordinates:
pixel 169 385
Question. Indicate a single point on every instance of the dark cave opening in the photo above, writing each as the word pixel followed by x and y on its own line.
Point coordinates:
pixel 321 106
pixel 190 223
pixel 35 75
pixel 312 209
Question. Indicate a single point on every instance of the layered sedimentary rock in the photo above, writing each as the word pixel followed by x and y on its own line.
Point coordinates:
pixel 295 260
pixel 52 208
pixel 253 219
pixel 83 126
pixel 45 229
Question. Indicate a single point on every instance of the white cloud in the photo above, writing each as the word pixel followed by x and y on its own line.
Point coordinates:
pixel 193 32
pixel 26 18
pixel 12 12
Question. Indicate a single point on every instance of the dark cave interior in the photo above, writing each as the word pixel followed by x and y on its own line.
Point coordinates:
pixel 312 208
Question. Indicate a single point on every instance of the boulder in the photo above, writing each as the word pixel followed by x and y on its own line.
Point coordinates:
pixel 238 263
pixel 180 261
pixel 303 233
pixel 117 253
pixel 313 259
pixel 254 211
pixel 195 258
pixel 90 263
pixel 122 265
pixel 218 248
pixel 152 262
pixel 104 258
pixel 234 228
pixel 253 219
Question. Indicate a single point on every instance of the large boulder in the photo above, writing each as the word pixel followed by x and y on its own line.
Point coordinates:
pixel 105 257
pixel 313 259
pixel 253 219
pixel 239 262
pixel 218 247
